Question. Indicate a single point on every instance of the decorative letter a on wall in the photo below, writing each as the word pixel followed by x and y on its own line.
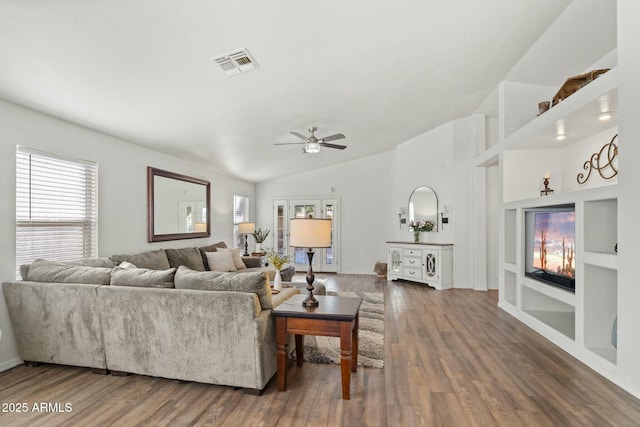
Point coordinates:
pixel 606 166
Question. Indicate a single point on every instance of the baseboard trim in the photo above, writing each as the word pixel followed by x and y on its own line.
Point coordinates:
pixel 5 366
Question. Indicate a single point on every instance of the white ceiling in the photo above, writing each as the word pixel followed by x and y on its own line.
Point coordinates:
pixel 380 72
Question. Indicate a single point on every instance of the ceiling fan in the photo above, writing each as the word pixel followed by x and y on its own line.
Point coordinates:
pixel 312 144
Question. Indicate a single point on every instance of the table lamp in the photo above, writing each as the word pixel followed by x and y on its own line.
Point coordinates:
pixel 310 233
pixel 246 228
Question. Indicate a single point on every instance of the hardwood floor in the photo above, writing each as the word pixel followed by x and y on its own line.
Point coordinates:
pixel 452 358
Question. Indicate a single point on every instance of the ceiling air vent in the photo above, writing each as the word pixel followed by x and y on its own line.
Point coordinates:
pixel 235 62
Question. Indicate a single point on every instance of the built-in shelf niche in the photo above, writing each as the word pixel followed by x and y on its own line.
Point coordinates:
pixel 510 240
pixel 601 221
pixel 600 310
pixel 510 290
pixel 554 313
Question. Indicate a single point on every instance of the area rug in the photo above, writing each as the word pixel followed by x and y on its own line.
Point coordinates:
pixel 370 335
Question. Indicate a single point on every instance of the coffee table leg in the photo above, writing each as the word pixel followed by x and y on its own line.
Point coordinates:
pixel 281 352
pixel 299 349
pixel 345 358
pixel 354 344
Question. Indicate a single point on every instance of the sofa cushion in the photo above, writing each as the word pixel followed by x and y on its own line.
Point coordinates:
pixel 24 271
pixel 189 257
pixel 218 281
pixel 211 248
pixel 155 260
pixel 284 295
pixel 143 277
pixel 235 257
pixel 220 261
pixel 93 262
pixel 252 261
pixel 87 262
pixel 286 273
pixel 59 272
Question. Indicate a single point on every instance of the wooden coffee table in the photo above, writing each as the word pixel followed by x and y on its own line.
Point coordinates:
pixel 334 317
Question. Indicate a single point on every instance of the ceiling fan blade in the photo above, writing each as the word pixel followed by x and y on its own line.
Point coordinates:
pixel 289 143
pixel 299 135
pixel 332 137
pixel 339 147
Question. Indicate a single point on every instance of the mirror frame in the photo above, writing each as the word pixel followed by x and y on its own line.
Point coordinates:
pixel 152 237
pixel 437 226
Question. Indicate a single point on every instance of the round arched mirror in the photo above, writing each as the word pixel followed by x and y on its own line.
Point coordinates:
pixel 423 206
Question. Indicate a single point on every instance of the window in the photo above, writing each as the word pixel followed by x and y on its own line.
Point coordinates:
pixel 56 207
pixel 240 214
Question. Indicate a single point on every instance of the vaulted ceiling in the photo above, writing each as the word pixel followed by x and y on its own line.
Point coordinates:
pixel 380 72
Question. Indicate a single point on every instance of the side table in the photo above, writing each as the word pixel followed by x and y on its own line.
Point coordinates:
pixel 334 317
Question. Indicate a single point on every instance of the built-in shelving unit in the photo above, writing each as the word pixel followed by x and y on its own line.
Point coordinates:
pixel 578 112
pixel 580 322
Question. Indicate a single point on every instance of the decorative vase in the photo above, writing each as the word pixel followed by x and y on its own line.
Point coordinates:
pixel 259 247
pixel 277 281
pixel 416 236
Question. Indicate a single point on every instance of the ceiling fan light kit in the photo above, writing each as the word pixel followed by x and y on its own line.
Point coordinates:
pixel 311 147
pixel 313 144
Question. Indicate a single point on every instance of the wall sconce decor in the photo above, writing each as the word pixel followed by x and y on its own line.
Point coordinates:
pixel 444 219
pixel 547 190
pixel 606 170
pixel 402 216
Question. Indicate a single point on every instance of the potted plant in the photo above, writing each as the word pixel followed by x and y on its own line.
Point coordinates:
pixel 417 226
pixel 260 237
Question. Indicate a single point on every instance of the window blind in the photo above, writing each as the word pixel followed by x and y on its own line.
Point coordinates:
pixel 240 214
pixel 56 207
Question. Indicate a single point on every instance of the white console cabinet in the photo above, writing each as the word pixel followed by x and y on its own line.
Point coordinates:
pixel 430 263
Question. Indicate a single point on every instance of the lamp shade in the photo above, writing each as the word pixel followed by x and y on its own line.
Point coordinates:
pixel 310 233
pixel 246 227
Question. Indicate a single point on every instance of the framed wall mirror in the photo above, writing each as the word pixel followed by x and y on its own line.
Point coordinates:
pixel 423 205
pixel 178 206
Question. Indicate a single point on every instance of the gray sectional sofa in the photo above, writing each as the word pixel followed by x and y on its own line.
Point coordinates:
pixel 175 322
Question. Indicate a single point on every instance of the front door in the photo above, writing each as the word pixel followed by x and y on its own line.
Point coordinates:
pixel 325 259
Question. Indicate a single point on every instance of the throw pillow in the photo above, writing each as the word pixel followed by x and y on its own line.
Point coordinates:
pixel 255 282
pixel 220 261
pixel 143 277
pixel 155 260
pixel 211 248
pixel 126 264
pixel 236 257
pixel 189 257
pixel 60 272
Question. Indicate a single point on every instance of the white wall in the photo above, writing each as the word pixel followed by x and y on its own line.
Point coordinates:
pixel 526 170
pixel 425 160
pixel 364 187
pixel 122 169
pixel 494 212
pixel 441 159
pixel 628 200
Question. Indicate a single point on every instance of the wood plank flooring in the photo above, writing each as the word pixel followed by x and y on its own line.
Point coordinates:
pixel 452 358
